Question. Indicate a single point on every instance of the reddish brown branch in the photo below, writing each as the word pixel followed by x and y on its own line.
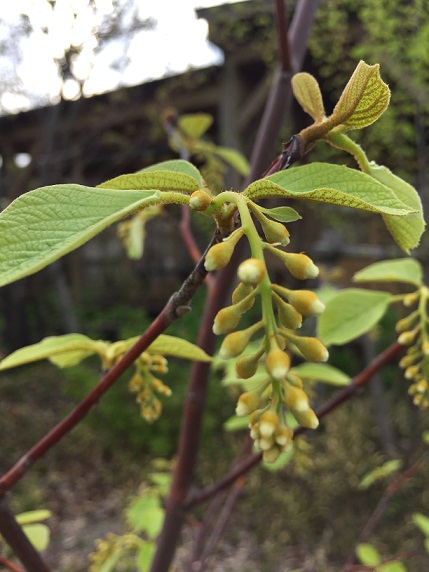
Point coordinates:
pixel 16 538
pixel 9 565
pixel 176 307
pixel 344 395
pixel 282 36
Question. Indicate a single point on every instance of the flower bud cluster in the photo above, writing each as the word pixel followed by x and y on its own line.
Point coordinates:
pixel 146 385
pixel 412 332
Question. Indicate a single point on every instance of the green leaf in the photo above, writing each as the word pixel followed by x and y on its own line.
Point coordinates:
pixel 109 565
pixel 380 473
pixel 368 554
pixel 425 437
pixel 162 480
pixel 63 351
pixel 394 566
pixel 334 184
pixel 153 181
pixel 405 270
pixel 307 92
pixel 38 535
pixel 195 124
pixel 146 515
pixel 350 314
pixel 177 166
pixel 235 423
pixel 363 100
pixel 234 158
pixel 170 345
pixel 145 556
pixel 281 214
pixel 321 372
pixel 422 522
pixel 33 516
pixel 407 230
pixel 43 225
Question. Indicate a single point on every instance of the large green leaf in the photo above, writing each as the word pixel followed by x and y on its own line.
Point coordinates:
pixel 43 225
pixel 64 351
pixel 321 372
pixel 350 314
pixel 195 124
pixel 405 270
pixel 422 522
pixel 177 166
pixel 334 184
pixel 154 181
pixel 368 554
pixel 146 514
pixel 170 345
pixel 33 516
pixel 406 230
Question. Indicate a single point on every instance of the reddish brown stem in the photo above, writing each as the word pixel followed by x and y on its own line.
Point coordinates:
pixel 283 40
pixel 15 537
pixel 10 565
pixel 176 307
pixel 344 395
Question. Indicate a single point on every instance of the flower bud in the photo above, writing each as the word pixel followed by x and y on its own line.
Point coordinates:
pixel 312 349
pixel 251 271
pixel 288 316
pixel 265 443
pixel 200 200
pixel 411 299
pixel 299 265
pixel 246 366
pixel 234 344
pixel 160 387
pixel 268 423
pixel 274 232
pixel 254 432
pixel 294 380
pixel 295 399
pixel 406 322
pixel 412 372
pixel 247 403
pixel 283 436
pixel 271 455
pixel 306 419
pixel 306 302
pixel 408 360
pixel 277 364
pixel 227 319
pixel 220 254
pixel 425 348
pixel 407 338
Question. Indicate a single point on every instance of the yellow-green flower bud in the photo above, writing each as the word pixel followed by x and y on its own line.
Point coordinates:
pixel 160 387
pixel 227 319
pixel 234 344
pixel 412 372
pixel 294 380
pixel 200 200
pixel 247 403
pixel 283 436
pixel 271 455
pixel 295 399
pixel 304 301
pixel 411 299
pixel 265 443
pixel 254 432
pixel 268 423
pixel 277 363
pixel 421 386
pixel 274 232
pixel 407 338
pixel 246 366
pixel 299 265
pixel 241 292
pixel 251 271
pixel 306 419
pixel 220 254
pixel 312 349
pixel 288 316
pixel 425 348
pixel 408 360
pixel 406 323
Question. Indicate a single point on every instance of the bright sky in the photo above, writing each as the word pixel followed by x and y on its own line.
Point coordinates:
pixel 178 41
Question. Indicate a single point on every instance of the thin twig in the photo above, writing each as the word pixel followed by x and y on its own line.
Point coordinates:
pixel 18 541
pixel 344 395
pixel 10 565
pixel 282 36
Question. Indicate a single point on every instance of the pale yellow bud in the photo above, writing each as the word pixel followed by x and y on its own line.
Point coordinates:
pixel 247 403
pixel 283 435
pixel 220 254
pixel 274 232
pixel 408 360
pixel 312 349
pixel 288 316
pixel 254 432
pixel 306 419
pixel 407 338
pixel 299 265
pixel 295 399
pixel 406 323
pixel 227 319
pixel 234 344
pixel 277 363
pixel 271 455
pixel 241 292
pixel 411 299
pixel 200 200
pixel 425 348
pixel 412 372
pixel 306 302
pixel 246 366
pixel 268 423
pixel 160 387
pixel 265 443
pixel 421 386
pixel 251 271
